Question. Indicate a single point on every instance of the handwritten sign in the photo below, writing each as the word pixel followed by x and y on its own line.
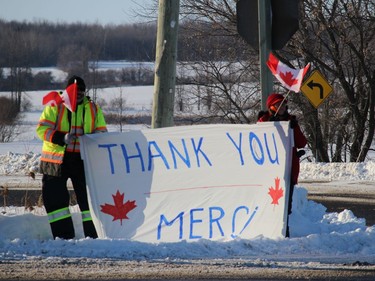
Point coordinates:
pixel 216 182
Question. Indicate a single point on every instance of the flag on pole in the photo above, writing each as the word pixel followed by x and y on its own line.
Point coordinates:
pixel 290 78
pixel 69 96
pixel 52 99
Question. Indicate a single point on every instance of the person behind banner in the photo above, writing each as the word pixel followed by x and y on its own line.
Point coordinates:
pixel 59 130
pixel 278 111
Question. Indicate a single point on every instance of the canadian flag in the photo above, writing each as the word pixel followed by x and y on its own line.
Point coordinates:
pixel 52 99
pixel 68 97
pixel 290 78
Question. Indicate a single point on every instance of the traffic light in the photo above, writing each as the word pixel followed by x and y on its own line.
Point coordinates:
pixel 247 21
pixel 284 21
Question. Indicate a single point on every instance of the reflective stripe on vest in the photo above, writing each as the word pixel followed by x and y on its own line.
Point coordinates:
pixel 86 216
pixel 93 112
pixel 52 157
pixel 60 114
pixel 101 129
pixel 59 215
pixel 49 134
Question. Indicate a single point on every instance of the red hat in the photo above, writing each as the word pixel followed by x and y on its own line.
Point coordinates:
pixel 273 99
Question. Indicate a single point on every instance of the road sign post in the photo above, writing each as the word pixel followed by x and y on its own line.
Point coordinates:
pixel 316 88
pixel 266 78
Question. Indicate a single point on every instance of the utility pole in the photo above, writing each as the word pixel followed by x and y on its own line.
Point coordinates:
pixel 165 64
pixel 264 21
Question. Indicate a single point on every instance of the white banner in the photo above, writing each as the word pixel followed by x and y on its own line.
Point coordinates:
pixel 215 182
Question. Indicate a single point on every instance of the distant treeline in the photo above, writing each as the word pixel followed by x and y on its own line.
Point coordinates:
pixel 48 44
pixel 38 44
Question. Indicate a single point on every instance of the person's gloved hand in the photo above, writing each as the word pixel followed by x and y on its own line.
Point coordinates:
pixel 274 118
pixel 300 153
pixel 69 138
pixel 261 114
pixel 293 123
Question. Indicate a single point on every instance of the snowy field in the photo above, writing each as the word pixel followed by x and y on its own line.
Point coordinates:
pixel 318 238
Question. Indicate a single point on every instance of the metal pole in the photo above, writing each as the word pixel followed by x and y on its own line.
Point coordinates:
pixel 266 78
pixel 165 64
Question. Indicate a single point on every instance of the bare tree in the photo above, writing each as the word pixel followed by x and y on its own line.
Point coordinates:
pixel 18 61
pixel 218 92
pixel 222 77
pixel 117 106
pixel 338 37
pixel 74 59
pixel 97 41
pixel 9 115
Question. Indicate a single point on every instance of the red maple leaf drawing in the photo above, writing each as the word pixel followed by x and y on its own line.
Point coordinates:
pixel 276 193
pixel 120 210
pixel 288 78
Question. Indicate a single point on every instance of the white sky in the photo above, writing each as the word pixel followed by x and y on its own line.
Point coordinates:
pixel 69 11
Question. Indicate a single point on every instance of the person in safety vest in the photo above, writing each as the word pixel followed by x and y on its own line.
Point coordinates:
pixel 278 111
pixel 59 128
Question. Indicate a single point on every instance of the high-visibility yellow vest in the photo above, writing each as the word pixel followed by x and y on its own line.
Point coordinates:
pixel 87 119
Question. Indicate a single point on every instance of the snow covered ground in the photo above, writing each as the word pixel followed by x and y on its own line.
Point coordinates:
pixel 318 238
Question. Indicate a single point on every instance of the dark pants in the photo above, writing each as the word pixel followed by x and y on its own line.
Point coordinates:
pixel 56 197
pixel 290 203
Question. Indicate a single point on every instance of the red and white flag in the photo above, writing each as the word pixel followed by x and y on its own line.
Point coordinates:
pixel 290 78
pixel 52 99
pixel 69 96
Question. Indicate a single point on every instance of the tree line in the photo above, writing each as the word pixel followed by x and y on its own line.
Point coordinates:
pixel 76 48
pixel 38 44
pixel 43 44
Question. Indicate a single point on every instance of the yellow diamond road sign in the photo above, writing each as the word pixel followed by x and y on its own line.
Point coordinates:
pixel 316 88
